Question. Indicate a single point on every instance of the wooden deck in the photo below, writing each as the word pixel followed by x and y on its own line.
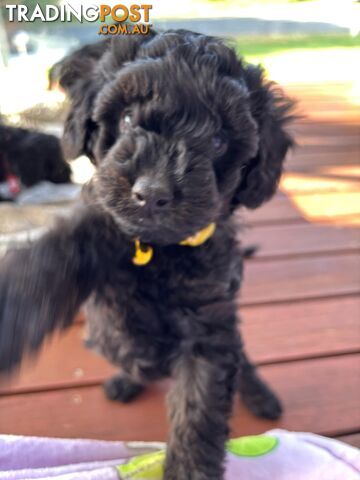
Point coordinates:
pixel 300 307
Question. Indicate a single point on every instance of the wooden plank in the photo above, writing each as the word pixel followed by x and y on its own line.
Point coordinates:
pixel 300 278
pixel 353 439
pixel 309 105
pixel 314 129
pixel 324 207
pixel 301 329
pixel 327 145
pixel 312 389
pixel 272 333
pixel 340 208
pixel 84 413
pixel 320 90
pixel 348 115
pixel 352 171
pixel 308 141
pixel 319 395
pixel 279 210
pixel 63 362
pixel 299 239
pixel 334 108
pixel 315 159
pixel 315 96
pixel 330 113
pixel 310 182
pixel 320 109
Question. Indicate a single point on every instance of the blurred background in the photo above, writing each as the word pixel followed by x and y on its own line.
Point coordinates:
pixel 297 41
pixel 300 301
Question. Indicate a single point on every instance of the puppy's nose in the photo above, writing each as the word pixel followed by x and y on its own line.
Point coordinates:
pixel 151 195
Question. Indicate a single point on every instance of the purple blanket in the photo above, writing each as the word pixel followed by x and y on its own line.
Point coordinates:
pixel 277 454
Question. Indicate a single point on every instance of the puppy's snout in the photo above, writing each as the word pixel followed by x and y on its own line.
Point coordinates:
pixel 151 195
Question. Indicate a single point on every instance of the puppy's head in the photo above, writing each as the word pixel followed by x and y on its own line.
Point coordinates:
pixel 181 131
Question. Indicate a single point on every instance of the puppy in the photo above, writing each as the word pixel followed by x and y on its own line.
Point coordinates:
pixel 31 156
pixel 182 133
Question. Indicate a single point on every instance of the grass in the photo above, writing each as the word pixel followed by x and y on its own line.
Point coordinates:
pixel 308 59
pixel 258 46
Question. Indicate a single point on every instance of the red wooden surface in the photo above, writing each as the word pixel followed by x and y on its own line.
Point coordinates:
pixel 313 392
pixel 300 278
pixel 353 439
pixel 272 334
pixel 301 239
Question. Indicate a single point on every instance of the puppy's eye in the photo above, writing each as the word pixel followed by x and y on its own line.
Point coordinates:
pixel 126 122
pixel 219 144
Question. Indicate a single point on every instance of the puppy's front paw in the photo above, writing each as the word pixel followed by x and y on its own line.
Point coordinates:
pixel 122 389
pixel 178 468
pixel 180 475
pixel 177 472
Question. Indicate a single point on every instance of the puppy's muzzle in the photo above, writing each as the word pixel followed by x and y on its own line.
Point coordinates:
pixel 151 195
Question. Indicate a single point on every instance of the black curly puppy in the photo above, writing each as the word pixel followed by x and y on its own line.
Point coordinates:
pixel 31 156
pixel 182 132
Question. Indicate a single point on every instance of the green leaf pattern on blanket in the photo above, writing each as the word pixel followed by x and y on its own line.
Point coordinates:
pixel 151 465
pixel 144 467
pixel 252 446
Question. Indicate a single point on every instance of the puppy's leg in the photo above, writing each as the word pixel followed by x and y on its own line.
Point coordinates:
pixel 43 285
pixel 122 388
pixel 200 405
pixel 255 393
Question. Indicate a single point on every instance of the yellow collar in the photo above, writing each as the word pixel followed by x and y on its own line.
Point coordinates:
pixel 144 253
pixel 200 237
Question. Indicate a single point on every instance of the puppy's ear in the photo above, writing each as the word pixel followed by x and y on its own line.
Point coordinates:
pixel 271 110
pixel 79 127
pixel 82 75
pixel 75 73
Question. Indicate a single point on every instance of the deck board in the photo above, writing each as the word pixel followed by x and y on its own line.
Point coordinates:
pixel 312 392
pixel 332 208
pixel 353 439
pixel 300 278
pixel 279 210
pixel 299 330
pixel 312 159
pixel 323 180
pixel 275 333
pixel 300 239
pixel 55 368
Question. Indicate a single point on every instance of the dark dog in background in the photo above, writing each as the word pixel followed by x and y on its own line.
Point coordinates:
pixel 182 133
pixel 31 156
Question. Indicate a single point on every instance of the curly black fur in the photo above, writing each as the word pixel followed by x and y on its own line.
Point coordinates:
pixel 32 156
pixel 182 132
